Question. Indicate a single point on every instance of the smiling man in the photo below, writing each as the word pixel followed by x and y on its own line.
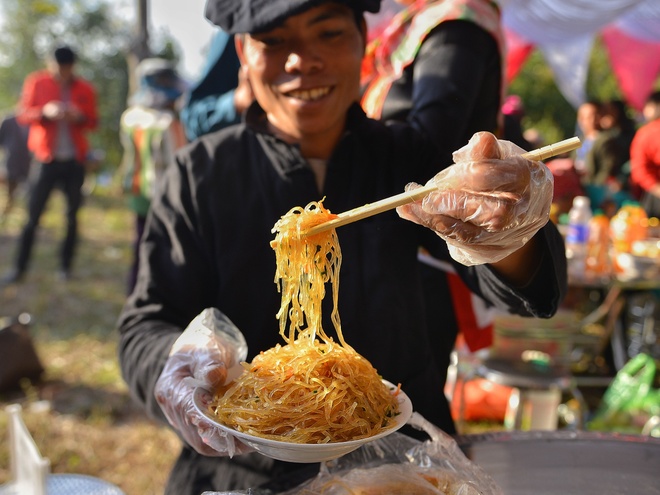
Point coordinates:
pixel 207 238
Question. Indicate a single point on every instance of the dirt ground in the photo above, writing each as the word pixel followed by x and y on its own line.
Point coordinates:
pixel 80 415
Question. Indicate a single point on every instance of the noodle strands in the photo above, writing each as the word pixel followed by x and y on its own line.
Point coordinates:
pixel 312 389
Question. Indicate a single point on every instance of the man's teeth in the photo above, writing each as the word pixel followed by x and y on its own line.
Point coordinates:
pixel 310 94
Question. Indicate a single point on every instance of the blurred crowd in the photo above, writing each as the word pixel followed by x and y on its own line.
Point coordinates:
pixel 617 162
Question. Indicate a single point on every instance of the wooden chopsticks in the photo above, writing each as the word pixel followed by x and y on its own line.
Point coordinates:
pixel 385 204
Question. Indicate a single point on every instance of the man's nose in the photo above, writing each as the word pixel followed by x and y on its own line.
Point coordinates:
pixel 303 60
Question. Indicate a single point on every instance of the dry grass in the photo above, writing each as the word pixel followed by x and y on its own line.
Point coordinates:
pixel 81 416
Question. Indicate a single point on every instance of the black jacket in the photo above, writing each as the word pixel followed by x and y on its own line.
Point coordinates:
pixel 206 244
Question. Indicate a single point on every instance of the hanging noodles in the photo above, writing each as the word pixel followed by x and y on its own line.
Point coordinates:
pixel 313 389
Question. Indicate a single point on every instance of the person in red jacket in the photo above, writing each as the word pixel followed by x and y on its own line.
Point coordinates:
pixel 60 108
pixel 645 157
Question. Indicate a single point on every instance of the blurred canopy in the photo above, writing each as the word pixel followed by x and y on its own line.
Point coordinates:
pixel 551 64
pixel 565 30
pixel 100 36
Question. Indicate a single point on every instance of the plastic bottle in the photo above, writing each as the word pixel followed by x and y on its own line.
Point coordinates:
pixel 639 224
pixel 619 229
pixel 598 246
pixel 629 224
pixel 577 236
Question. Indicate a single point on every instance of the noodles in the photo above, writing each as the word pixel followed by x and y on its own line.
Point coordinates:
pixel 304 265
pixel 313 389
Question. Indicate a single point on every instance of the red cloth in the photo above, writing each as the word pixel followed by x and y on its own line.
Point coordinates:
pixel 477 335
pixel 645 156
pixel 567 180
pixel 40 88
pixel 635 63
pixel 518 50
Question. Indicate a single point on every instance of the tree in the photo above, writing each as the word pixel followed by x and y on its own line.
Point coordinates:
pixel 33 27
pixel 546 108
pixel 103 40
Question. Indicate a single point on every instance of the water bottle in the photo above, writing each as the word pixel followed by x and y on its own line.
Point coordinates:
pixel 577 237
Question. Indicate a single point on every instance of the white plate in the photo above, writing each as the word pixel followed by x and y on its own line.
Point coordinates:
pixel 305 452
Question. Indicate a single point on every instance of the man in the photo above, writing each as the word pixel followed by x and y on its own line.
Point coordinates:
pixel 59 107
pixel 645 157
pixel 13 138
pixel 150 132
pixel 208 233
pixel 220 95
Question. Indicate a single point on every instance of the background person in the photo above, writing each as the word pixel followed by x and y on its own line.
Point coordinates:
pixel 220 95
pixel 588 127
pixel 606 176
pixel 645 157
pixel 416 70
pixel 513 112
pixel 208 232
pixel 150 132
pixel 60 108
pixel 14 141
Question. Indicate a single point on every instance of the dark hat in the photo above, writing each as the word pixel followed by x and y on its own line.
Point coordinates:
pixel 64 55
pixel 253 16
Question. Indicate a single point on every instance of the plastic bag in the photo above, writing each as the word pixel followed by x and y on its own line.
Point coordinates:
pixel 631 398
pixel 486 205
pixel 397 465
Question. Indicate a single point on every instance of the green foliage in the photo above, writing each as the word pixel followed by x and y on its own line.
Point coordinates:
pixel 101 40
pixel 546 108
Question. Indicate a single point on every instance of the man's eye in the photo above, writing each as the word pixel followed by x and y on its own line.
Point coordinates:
pixel 271 41
pixel 331 33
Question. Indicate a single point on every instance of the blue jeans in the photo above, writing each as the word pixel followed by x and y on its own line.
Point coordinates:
pixel 69 176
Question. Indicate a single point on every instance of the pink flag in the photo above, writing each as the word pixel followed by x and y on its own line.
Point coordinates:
pixel 635 62
pixel 518 49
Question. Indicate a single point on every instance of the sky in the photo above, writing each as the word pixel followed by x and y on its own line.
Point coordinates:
pixel 185 22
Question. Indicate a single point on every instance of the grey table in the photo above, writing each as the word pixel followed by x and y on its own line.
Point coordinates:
pixel 566 462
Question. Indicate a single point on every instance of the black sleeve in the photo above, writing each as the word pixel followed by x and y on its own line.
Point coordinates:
pixel 540 298
pixel 174 284
pixel 448 76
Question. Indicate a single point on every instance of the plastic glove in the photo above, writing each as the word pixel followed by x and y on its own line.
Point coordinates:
pixel 488 204
pixel 202 356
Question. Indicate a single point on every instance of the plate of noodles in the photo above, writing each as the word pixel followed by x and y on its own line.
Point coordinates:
pixel 313 398
pixel 307 452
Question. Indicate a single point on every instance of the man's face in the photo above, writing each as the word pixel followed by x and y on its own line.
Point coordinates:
pixel 651 111
pixel 587 117
pixel 305 73
pixel 64 72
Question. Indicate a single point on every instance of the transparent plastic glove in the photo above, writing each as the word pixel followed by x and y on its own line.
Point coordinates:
pixel 488 204
pixel 203 356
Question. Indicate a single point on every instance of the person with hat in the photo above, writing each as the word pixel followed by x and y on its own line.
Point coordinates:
pixel 150 132
pixel 415 71
pixel 60 108
pixel 207 239
pixel 220 95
